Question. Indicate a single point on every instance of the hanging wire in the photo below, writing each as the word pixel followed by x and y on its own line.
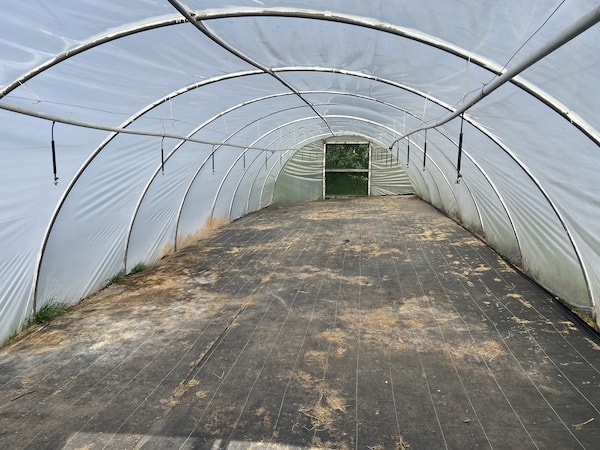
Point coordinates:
pixel 467 77
pixel 533 34
pixel 575 29
pixel 483 85
pixel 35 97
pixel 407 151
pixel 520 48
pixel 53 154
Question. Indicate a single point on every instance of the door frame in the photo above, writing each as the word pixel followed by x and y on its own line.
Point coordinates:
pixel 351 141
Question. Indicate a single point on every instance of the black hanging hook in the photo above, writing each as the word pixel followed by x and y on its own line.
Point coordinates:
pixel 460 145
pixel 212 159
pixel 425 150
pixel 162 155
pixel 53 155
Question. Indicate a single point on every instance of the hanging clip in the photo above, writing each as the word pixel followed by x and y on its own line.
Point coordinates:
pixel 54 155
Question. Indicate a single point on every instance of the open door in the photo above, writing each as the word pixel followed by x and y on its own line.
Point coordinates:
pixel 347 169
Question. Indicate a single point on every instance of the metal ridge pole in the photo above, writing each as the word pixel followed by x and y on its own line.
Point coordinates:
pixel 197 22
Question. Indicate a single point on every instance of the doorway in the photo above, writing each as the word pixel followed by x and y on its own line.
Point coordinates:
pixel 346 169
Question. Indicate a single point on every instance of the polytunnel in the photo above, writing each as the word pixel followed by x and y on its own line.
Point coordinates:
pixel 127 127
pixel 447 299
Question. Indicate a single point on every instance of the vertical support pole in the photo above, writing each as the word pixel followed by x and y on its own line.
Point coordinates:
pixel 324 156
pixel 370 170
pixel 407 151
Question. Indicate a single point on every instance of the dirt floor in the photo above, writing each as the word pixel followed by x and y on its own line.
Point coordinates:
pixel 352 323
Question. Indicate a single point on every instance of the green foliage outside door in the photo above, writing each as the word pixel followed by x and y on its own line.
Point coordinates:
pixel 347 169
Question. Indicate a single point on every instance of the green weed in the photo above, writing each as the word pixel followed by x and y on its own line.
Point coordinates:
pixel 49 311
pixel 116 278
pixel 139 267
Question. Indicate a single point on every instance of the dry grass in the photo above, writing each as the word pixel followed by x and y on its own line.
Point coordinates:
pixel 488 350
pixel 208 229
pixel 520 299
pixel 401 444
pixel 179 391
pixel 593 344
pixel 315 356
pixel 328 405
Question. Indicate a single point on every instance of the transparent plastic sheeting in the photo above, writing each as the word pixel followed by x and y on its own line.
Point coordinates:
pixel 387 174
pixel 374 70
pixel 301 179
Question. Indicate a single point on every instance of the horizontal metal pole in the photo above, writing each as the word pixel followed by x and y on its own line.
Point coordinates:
pixel 584 23
pixel 78 123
